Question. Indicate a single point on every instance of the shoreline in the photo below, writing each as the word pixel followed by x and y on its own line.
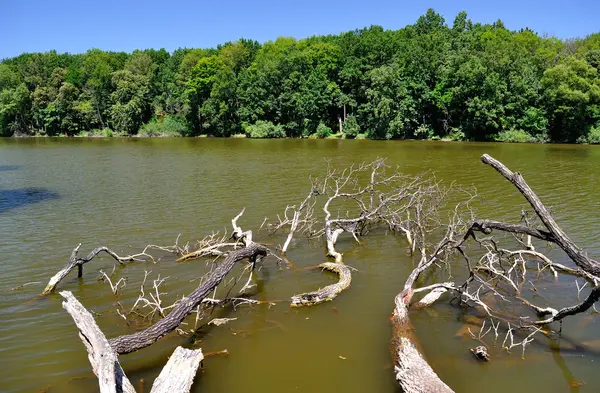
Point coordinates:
pixel 98 136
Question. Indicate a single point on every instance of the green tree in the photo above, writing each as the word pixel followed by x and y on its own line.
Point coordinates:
pixel 572 98
pixel 14 110
pixel 131 101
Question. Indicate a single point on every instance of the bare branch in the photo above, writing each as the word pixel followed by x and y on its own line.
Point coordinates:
pixel 74 261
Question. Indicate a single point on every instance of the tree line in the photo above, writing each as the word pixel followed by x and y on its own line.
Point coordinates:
pixel 429 80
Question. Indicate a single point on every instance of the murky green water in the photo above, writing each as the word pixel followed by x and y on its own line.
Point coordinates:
pixel 126 193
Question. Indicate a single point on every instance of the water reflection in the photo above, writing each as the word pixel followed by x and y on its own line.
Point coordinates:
pixel 4 168
pixel 12 199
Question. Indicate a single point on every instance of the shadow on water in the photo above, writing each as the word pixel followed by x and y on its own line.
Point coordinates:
pixel 12 199
pixel 4 168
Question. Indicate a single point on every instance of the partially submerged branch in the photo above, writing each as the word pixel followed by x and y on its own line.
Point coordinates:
pixel 102 357
pixel 329 292
pixel 75 261
pixel 558 236
pixel 493 263
pixel 387 199
pixel 144 338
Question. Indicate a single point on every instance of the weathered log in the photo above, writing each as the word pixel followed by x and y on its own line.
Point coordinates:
pixel 103 358
pixel 133 342
pixel 329 292
pixel 178 375
pixel 74 261
pixel 412 372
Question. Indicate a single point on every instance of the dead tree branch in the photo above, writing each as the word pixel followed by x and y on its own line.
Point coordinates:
pixel 74 261
pixel 494 264
pixel 144 338
pixel 557 235
pixel 357 200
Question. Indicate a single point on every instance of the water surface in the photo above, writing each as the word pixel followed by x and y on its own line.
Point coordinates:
pixel 126 193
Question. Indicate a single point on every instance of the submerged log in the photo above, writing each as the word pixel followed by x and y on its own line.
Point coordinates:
pixel 176 377
pixel 133 342
pixel 329 292
pixel 412 372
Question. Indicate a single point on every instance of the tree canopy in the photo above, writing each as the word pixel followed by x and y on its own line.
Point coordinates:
pixel 429 80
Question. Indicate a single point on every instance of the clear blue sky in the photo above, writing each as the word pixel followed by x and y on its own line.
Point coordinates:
pixel 124 25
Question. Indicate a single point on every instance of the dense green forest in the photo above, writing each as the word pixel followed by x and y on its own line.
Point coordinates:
pixel 430 80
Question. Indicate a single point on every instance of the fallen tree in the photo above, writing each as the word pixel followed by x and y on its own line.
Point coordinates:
pixel 500 272
pixel 178 374
pixel 133 342
pixel 75 261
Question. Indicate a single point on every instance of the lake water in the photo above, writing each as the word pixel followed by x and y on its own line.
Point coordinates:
pixel 127 193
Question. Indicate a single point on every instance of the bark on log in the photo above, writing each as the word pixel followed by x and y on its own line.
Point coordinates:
pixel 412 372
pixel 133 342
pixel 329 292
pixel 102 357
pixel 178 375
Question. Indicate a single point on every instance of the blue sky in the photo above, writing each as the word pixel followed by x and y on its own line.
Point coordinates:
pixel 124 25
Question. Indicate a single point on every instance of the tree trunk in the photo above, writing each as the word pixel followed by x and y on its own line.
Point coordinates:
pixel 133 342
pixel 412 372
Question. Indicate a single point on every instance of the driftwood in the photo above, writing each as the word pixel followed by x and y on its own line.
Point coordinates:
pixel 411 371
pixel 329 292
pixel 403 204
pixel 75 261
pixel 176 377
pixel 133 342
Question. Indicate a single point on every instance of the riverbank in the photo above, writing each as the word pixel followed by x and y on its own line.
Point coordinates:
pixel 109 134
